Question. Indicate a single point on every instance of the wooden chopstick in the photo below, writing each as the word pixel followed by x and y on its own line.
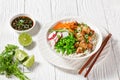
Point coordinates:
pixel 98 54
pixel 92 57
pixel 87 63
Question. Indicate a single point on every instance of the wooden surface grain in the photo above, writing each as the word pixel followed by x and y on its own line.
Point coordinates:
pixel 104 13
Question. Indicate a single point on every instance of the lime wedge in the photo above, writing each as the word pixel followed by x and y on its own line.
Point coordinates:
pixel 25 39
pixel 20 54
pixel 29 62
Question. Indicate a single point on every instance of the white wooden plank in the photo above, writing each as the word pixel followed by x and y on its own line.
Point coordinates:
pixel 41 11
pixel 67 75
pixel 111 4
pixel 106 69
pixel 93 10
pixel 63 8
pixel 112 12
pixel 116 50
pixel 7 10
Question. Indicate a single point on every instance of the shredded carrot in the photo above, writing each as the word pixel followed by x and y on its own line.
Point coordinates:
pixel 60 25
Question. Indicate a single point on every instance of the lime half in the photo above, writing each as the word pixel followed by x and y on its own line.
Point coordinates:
pixel 29 62
pixel 20 54
pixel 25 39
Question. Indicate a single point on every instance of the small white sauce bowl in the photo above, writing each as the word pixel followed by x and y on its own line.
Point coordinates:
pixel 26 15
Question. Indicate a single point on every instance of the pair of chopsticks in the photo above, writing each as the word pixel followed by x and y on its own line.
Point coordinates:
pixel 94 56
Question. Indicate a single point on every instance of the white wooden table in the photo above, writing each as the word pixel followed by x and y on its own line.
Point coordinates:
pixel 105 13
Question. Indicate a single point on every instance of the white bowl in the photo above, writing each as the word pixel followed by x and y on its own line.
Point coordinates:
pixel 18 15
pixel 80 20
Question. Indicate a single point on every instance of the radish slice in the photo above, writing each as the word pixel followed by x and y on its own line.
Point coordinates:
pixel 53 38
pixel 52 35
pixel 57 37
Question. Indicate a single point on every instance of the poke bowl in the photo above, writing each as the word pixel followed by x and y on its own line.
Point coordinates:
pixel 73 38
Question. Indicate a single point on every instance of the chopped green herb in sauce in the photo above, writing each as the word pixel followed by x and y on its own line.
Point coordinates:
pixel 22 23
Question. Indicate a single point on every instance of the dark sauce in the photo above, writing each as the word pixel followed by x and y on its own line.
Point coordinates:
pixel 22 23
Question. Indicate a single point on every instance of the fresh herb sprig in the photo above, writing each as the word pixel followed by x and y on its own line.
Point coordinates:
pixel 8 65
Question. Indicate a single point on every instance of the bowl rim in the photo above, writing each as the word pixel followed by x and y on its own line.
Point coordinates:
pixel 23 14
pixel 93 26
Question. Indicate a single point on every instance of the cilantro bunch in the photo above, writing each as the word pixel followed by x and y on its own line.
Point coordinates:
pixel 8 63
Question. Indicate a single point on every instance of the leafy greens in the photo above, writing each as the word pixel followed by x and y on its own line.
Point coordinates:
pixel 8 63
